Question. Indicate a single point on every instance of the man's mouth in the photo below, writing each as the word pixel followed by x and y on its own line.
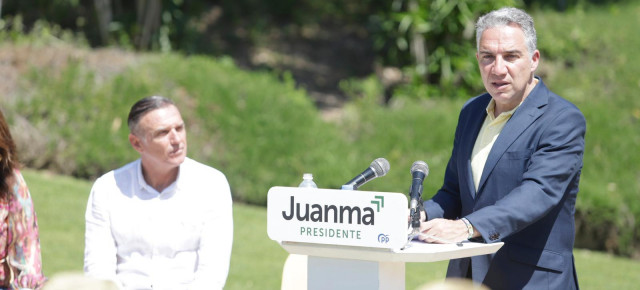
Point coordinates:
pixel 499 85
pixel 176 152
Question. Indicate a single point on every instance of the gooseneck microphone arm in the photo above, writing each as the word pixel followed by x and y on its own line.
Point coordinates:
pixel 378 168
pixel 361 179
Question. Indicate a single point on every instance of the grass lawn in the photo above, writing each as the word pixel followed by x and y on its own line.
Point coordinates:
pixel 256 261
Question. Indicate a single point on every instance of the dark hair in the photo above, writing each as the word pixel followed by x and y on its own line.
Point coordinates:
pixel 143 106
pixel 8 158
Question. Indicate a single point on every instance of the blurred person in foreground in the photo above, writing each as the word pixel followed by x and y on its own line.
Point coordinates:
pixel 514 169
pixel 19 240
pixel 163 221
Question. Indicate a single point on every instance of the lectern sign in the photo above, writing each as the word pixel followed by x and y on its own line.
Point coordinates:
pixel 337 217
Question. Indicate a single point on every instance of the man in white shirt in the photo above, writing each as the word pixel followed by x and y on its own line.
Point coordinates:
pixel 163 221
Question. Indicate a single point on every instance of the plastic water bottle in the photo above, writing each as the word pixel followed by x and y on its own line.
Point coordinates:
pixel 307 181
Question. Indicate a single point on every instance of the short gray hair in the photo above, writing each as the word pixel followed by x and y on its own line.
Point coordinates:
pixel 507 16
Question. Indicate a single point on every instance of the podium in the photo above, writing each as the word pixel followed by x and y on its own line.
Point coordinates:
pixel 353 239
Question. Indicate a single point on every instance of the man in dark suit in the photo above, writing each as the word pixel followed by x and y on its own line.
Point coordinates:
pixel 514 168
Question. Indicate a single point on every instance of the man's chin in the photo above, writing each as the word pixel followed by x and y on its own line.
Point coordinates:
pixel 501 96
pixel 177 160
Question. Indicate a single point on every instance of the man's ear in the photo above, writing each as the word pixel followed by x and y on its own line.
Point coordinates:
pixel 535 60
pixel 136 143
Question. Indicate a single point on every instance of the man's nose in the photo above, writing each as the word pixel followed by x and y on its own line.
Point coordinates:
pixel 174 137
pixel 499 66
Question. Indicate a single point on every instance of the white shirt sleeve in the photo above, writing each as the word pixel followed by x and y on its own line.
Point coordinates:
pixel 216 241
pixel 100 249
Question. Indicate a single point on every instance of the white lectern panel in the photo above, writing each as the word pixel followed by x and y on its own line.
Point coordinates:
pixel 337 217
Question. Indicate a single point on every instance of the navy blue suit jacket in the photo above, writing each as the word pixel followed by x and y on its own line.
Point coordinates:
pixel 526 196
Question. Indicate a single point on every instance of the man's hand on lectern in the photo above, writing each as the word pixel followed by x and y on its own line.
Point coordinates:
pixel 443 231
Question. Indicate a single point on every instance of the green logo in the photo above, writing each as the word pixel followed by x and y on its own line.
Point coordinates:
pixel 378 201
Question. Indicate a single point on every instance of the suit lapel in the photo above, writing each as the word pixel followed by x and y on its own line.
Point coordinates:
pixel 524 116
pixel 469 140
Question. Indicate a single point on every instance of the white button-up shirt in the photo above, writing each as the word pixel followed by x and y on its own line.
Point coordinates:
pixel 179 238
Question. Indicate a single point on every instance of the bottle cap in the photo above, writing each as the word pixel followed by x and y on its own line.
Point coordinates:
pixel 307 176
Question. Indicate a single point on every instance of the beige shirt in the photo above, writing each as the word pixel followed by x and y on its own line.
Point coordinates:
pixel 489 132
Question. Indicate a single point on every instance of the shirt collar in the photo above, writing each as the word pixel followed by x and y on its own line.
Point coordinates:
pixel 142 184
pixel 492 106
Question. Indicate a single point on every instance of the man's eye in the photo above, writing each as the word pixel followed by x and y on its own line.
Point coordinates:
pixel 511 57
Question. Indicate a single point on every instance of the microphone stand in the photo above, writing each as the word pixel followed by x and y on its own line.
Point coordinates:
pixel 415 214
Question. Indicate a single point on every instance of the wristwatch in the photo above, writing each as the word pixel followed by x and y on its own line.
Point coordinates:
pixel 469 228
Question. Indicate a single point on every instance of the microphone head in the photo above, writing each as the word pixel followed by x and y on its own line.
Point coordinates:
pixel 420 166
pixel 380 166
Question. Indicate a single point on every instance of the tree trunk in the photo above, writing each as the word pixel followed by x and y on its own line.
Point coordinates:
pixel 418 46
pixel 148 14
pixel 104 15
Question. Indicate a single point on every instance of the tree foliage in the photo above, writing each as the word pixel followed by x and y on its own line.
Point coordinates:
pixel 434 39
pixel 431 40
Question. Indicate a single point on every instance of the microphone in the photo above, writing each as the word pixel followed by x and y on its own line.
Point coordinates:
pixel 378 167
pixel 419 171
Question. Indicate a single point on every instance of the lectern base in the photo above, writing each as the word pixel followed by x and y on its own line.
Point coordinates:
pixel 331 273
